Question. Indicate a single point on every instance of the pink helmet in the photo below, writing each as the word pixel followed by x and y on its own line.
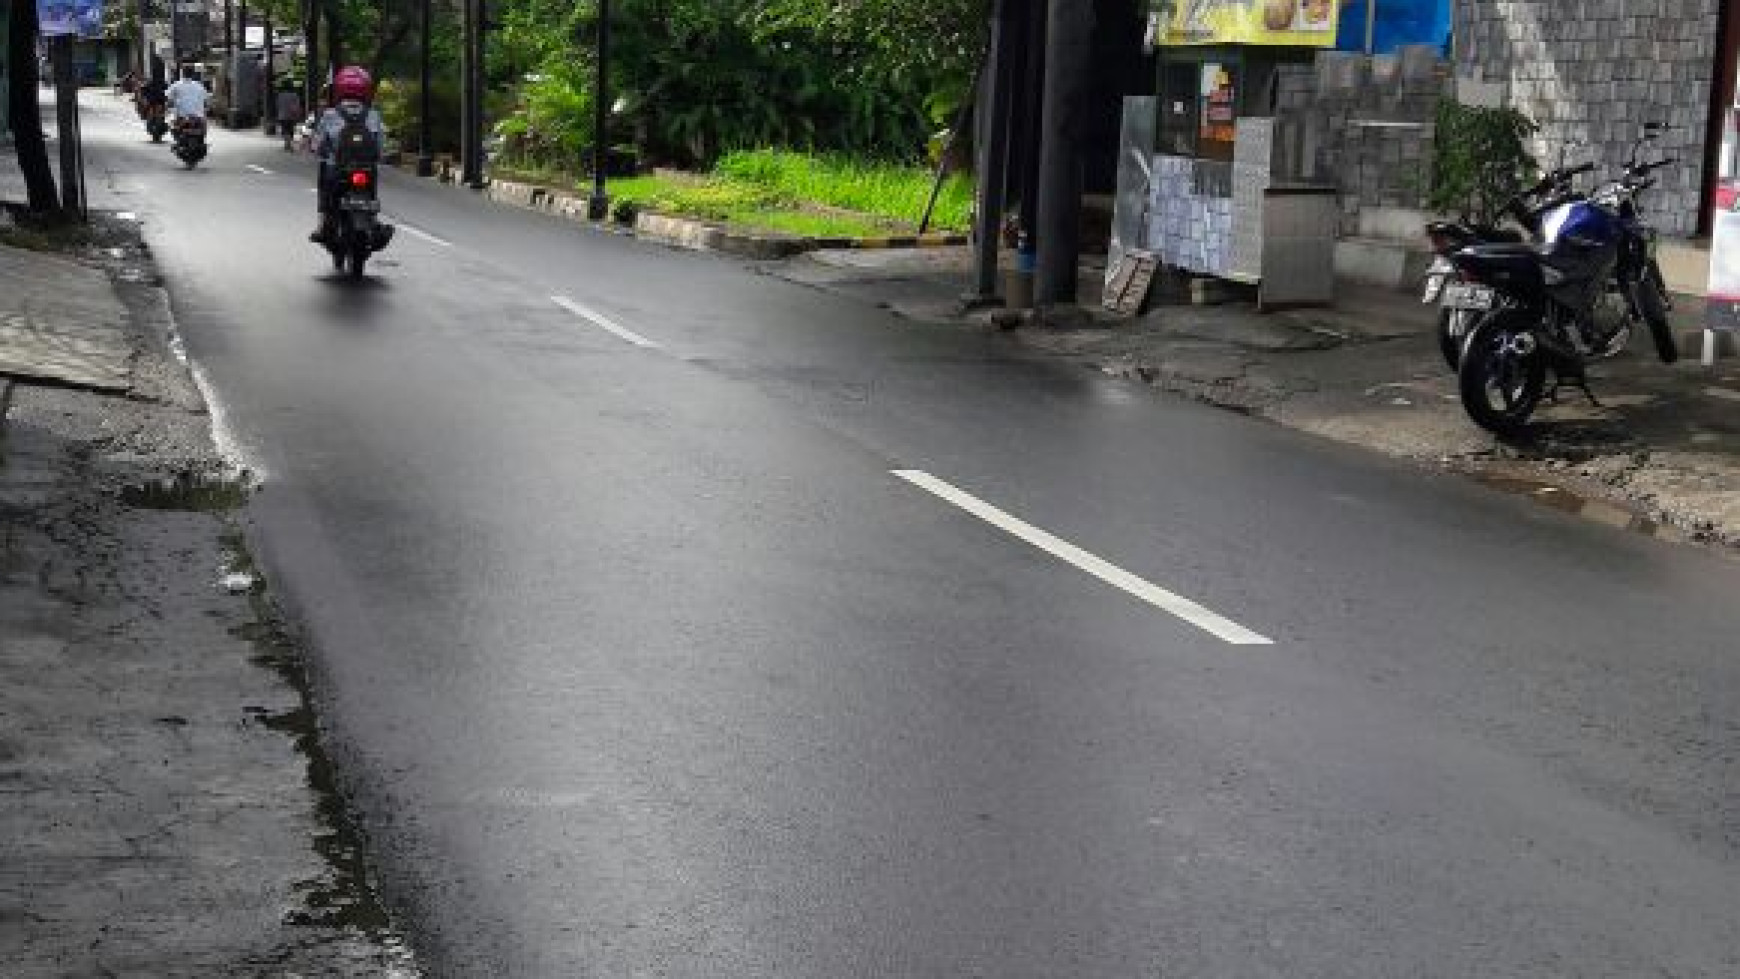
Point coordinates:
pixel 352 83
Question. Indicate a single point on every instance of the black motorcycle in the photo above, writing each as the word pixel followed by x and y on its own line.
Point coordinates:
pixel 354 230
pixel 189 140
pixel 1609 323
pixel 155 127
pixel 1534 302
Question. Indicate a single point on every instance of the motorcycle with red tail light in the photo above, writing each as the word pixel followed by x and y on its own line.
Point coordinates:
pixel 354 229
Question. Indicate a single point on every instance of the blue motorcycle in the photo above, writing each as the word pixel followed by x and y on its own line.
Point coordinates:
pixel 1534 301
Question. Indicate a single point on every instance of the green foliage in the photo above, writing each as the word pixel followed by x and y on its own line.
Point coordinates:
pixel 1479 159
pixel 700 78
pixel 931 39
pixel 552 125
pixel 399 105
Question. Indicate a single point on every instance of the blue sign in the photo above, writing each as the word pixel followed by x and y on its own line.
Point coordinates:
pixel 70 18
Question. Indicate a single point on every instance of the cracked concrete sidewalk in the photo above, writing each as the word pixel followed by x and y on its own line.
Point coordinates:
pixel 167 809
pixel 1661 454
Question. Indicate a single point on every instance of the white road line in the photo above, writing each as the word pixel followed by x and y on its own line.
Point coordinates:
pixel 417 232
pixel 1726 394
pixel 1107 572
pixel 259 169
pixel 603 322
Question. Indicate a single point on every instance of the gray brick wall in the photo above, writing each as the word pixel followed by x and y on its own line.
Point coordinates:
pixel 1594 71
pixel 1362 125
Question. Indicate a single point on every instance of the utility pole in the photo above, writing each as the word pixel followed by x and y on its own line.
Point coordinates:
pixel 1026 152
pixel 174 39
pixel 235 42
pixel 269 83
pixel 142 57
pixel 994 100
pixel 1068 61
pixel 311 55
pixel 598 207
pixel 471 153
pixel 425 154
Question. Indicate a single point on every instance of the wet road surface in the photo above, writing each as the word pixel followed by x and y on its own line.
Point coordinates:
pixel 673 619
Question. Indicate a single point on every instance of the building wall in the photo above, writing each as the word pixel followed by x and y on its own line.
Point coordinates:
pixel 1594 71
pixel 1362 125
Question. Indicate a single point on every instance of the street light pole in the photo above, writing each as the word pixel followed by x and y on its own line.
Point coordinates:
pixel 598 208
pixel 425 155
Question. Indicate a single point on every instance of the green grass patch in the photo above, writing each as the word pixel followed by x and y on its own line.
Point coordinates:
pixel 789 192
pixel 808 225
pixel 890 191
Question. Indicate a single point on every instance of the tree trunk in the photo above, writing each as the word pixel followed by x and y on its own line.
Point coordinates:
pixel 27 114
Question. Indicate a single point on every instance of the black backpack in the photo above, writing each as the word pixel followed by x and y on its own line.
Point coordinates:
pixel 355 146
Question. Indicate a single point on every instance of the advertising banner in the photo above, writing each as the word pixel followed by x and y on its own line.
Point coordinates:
pixel 70 18
pixel 1289 23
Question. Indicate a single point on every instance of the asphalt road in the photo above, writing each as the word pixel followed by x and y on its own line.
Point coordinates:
pixel 705 625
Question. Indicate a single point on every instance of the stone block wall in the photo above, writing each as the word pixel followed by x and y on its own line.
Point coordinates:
pixel 1363 125
pixel 1593 71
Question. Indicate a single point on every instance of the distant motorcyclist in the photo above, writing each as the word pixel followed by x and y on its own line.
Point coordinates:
pixel 152 94
pixel 188 98
pixel 350 132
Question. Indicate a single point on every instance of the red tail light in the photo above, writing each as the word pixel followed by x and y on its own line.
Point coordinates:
pixel 359 179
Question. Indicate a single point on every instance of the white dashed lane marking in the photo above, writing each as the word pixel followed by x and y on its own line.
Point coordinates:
pixel 1204 619
pixel 604 323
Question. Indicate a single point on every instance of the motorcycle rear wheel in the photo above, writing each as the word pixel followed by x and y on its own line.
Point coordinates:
pixel 356 262
pixel 1500 386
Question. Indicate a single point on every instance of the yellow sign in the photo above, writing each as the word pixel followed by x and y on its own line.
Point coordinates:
pixel 1294 23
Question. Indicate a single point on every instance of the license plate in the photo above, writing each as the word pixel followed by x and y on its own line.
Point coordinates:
pixel 1460 295
pixel 360 204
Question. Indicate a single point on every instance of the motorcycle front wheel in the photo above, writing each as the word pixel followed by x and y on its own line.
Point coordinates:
pixel 1503 375
pixel 1650 298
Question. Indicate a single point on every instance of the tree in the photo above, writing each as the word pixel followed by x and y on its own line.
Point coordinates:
pixel 27 114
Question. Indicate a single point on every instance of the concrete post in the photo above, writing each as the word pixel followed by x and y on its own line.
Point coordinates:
pixel 1068 62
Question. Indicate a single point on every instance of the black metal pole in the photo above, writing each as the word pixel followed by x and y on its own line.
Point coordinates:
pixel 1068 61
pixel 143 57
pixel 311 55
pixel 598 208
pixel 425 148
pixel 174 39
pixel 239 47
pixel 994 155
pixel 269 83
pixel 471 153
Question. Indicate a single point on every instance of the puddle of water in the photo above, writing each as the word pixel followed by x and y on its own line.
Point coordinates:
pixel 193 492
pixel 346 899
pixel 1576 504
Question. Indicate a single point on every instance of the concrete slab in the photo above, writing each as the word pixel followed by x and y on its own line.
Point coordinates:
pixel 61 323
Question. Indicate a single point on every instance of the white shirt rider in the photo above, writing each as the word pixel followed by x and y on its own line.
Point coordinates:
pixel 188 98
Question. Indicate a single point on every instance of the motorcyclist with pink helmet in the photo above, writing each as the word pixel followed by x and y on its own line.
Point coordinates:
pixel 348 126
